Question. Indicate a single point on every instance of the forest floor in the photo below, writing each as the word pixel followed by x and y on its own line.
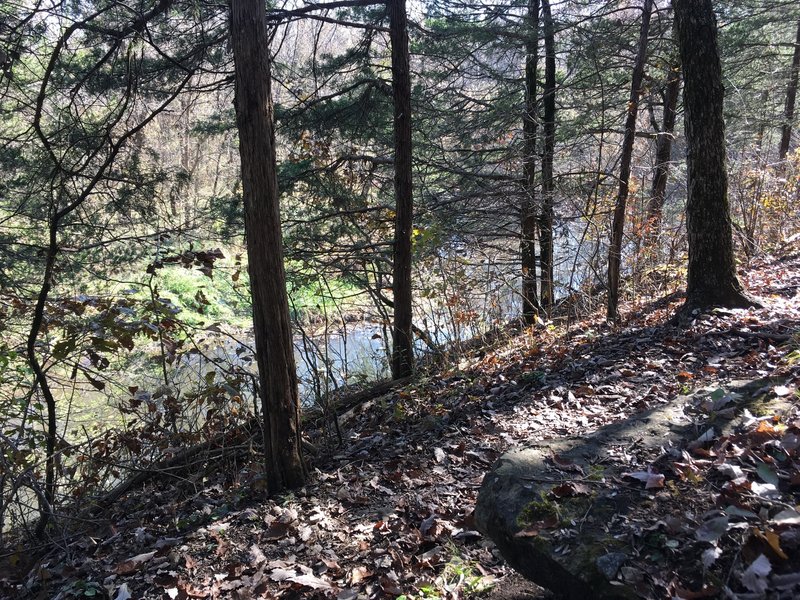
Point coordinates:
pixel 389 512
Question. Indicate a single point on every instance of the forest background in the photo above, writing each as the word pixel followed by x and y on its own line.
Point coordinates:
pixel 125 294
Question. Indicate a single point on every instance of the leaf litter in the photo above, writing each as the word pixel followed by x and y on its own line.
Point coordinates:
pixel 389 512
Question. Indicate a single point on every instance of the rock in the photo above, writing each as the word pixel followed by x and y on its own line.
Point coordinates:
pixel 557 510
pixel 610 564
pixel 555 515
pixel 535 531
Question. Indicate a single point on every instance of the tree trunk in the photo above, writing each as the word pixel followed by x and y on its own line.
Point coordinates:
pixel 655 206
pixel 277 377
pixel 618 226
pixel 548 186
pixel 530 300
pixel 47 501
pixel 402 341
pixel 712 279
pixel 791 96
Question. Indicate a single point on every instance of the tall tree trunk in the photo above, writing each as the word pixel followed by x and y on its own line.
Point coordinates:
pixel 530 300
pixel 276 367
pixel 548 186
pixel 791 96
pixel 402 341
pixel 618 226
pixel 655 206
pixel 711 279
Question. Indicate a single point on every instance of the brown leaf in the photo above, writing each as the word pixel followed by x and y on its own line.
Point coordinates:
pixel 276 531
pixel 359 574
pixel 531 531
pixel 565 463
pixel 772 539
pixel 280 574
pixel 126 567
pixel 687 594
pixel 569 489
pixel 649 478
pixel 312 581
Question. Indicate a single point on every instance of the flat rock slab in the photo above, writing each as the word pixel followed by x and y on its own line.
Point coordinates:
pixel 559 510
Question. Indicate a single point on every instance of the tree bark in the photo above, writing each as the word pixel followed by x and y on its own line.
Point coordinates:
pixel 791 96
pixel 530 300
pixel 618 226
pixel 276 367
pixel 548 185
pixel 655 206
pixel 402 340
pixel 711 279
pixel 48 500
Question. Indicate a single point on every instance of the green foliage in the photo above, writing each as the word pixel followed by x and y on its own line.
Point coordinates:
pixel 202 299
pixel 459 578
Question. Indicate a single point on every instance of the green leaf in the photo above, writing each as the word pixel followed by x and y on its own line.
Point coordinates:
pixel 63 347
pixel 104 344
pixel 717 394
pixel 767 474
pixel 98 385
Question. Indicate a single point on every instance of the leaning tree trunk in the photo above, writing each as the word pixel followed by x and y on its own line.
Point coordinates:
pixel 402 341
pixel 276 367
pixel 530 300
pixel 711 279
pixel 618 227
pixel 548 152
pixel 791 96
pixel 658 191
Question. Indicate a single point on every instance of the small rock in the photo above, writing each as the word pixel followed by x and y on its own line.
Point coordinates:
pixel 610 564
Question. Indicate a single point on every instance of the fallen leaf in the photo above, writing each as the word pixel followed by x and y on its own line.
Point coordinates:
pixel 569 489
pixel 427 524
pixel 256 555
pixel 276 531
pixel 565 463
pixel 710 555
pixel 735 511
pixel 312 581
pixel 358 574
pixel 785 580
pixel 765 490
pixel 788 516
pixel 708 435
pixel 773 540
pixel 790 442
pixel 767 474
pixel 730 471
pixel 712 530
pixel 132 565
pixel 649 478
pixel 123 593
pixel 531 531
pixel 755 576
pixel 705 592
pixel 280 574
